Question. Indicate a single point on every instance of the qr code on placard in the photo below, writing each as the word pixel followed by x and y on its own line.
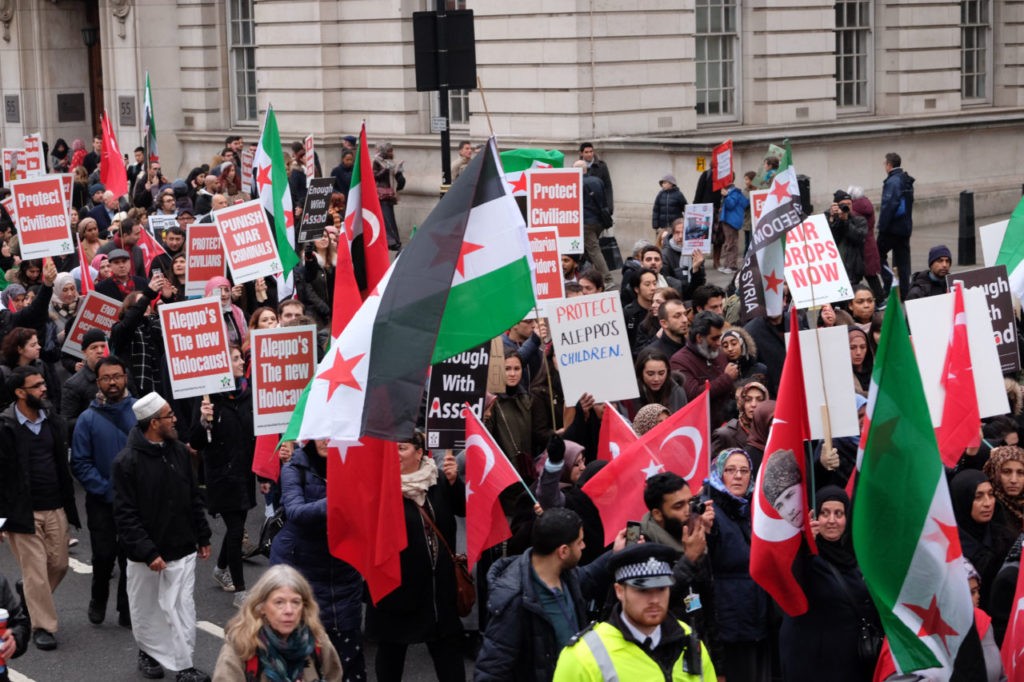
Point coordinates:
pixel 433 439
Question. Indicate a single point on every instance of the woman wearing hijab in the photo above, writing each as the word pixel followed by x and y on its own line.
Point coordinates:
pixel 742 608
pixel 861 360
pixel 648 417
pixel 757 438
pixel 734 433
pixel 422 608
pixel 64 303
pixel 822 643
pixel 974 504
pixel 738 346
pixel 1005 469
pixel 60 159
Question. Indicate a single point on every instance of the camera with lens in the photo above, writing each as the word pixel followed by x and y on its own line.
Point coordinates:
pixel 844 208
pixel 697 507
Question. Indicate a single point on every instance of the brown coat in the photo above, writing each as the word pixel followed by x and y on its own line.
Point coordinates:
pixel 231 668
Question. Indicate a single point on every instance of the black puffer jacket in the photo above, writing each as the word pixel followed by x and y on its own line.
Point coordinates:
pixel 519 643
pixel 669 205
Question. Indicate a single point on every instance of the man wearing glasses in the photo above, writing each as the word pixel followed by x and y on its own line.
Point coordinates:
pixel 162 523
pixel 100 433
pixel 37 497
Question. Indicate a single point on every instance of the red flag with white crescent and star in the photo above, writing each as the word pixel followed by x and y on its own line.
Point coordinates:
pixel 488 472
pixel 364 222
pixel 679 444
pixel 616 434
pixel 961 418
pixel 1013 640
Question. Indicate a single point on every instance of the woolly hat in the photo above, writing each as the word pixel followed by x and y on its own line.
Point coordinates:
pixel 668 178
pixel 780 472
pixel 93 336
pixel 840 195
pixel 937 252
pixel 97 187
pixel 148 406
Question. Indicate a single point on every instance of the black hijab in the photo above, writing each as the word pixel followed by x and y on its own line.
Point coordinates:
pixel 839 552
pixel 973 535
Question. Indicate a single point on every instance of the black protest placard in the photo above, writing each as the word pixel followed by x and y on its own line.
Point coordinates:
pixel 458 380
pixel 996 285
pixel 314 211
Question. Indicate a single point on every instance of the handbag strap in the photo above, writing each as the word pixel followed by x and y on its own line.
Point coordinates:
pixel 437 532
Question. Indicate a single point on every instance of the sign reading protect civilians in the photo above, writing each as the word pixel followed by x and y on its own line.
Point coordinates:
pixel 555 199
pixel 204 257
pixel 196 346
pixel 814 269
pixel 44 227
pixel 283 360
pixel 591 348
pixel 96 311
pixel 248 241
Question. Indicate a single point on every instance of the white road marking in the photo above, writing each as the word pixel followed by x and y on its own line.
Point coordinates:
pixel 79 567
pixel 18 677
pixel 211 628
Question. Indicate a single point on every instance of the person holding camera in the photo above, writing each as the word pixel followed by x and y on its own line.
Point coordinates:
pixel 849 230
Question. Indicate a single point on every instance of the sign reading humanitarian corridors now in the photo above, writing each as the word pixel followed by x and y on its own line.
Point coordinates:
pixel 196 347
pixel 555 199
pixel 248 241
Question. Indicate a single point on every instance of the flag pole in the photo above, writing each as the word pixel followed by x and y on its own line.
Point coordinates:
pixel 711 455
pixel 483 99
pixel 547 372
pixel 465 406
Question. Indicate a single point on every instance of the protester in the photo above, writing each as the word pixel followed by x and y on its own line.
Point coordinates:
pixel 734 433
pixel 1005 470
pixel 895 219
pixel 649 416
pixel 389 177
pixel 757 437
pixel 14 640
pixel 656 383
pixel 739 347
pixel 861 360
pixel 520 424
pixel 974 505
pixel 669 204
pixel 932 282
pixel 701 360
pixel 277 635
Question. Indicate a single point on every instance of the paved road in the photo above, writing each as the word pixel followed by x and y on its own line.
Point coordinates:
pixel 88 653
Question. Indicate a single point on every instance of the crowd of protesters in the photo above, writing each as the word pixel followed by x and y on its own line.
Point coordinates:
pixel 153 468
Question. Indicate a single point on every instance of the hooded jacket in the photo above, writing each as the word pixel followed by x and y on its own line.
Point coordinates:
pixel 669 205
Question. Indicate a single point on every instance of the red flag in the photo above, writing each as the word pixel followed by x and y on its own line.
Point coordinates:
pixel 366 524
pixel 616 433
pixel 150 248
pixel 265 462
pixel 679 444
pixel 777 529
pixel 488 472
pixel 961 418
pixel 1013 640
pixel 346 292
pixel 83 267
pixel 112 171
pixel 721 166
pixel 363 216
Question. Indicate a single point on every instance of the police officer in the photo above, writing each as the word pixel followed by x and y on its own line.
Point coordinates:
pixel 639 641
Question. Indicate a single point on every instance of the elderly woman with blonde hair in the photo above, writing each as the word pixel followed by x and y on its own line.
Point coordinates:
pixel 277 635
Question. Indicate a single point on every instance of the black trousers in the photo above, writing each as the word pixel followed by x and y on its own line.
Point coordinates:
pixel 445 652
pixel 106 550
pixel 230 556
pixel 900 247
pixel 349 645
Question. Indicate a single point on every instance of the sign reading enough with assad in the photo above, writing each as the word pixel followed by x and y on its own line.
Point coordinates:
pixel 591 348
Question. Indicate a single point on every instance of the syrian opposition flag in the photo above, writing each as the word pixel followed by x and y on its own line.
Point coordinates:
pixel 680 444
pixel 464 279
pixel 904 532
pixel 488 472
pixel 271 179
pixel 616 434
pixel 364 222
pixel 780 517
pixel 517 161
pixel 149 123
pixel 113 174
pixel 1013 641
pixel 961 416
pixel 781 211
pixel 1011 251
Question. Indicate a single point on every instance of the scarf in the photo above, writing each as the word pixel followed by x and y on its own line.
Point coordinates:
pixel 416 484
pixel 64 310
pixel 839 552
pixel 715 479
pixel 762 424
pixel 283 660
pixel 998 457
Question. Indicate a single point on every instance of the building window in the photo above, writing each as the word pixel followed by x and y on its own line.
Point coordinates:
pixel 853 35
pixel 974 49
pixel 717 39
pixel 242 60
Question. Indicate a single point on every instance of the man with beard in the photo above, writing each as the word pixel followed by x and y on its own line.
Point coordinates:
pixel 37 497
pixel 174 244
pixel 640 640
pixel 932 282
pixel 101 433
pixel 161 521
pixel 700 360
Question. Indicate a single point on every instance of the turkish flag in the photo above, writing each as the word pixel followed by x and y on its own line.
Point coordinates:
pixel 150 248
pixel 961 418
pixel 616 433
pixel 83 266
pixel 776 538
pixel 265 462
pixel 488 472
pixel 365 512
pixel 1013 640
pixel 112 171
pixel 679 444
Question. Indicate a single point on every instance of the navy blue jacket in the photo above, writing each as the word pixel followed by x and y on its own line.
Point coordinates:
pixel 302 544
pixel 593 200
pixel 669 205
pixel 100 433
pixel 892 192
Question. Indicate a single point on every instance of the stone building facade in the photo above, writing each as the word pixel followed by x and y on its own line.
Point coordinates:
pixel 653 83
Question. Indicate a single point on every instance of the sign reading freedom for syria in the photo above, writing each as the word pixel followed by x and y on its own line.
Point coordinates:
pixel 555 199
pixel 814 269
pixel 591 348
pixel 96 311
pixel 196 346
pixel 204 257
pixel 248 241
pixel 283 360
pixel 44 227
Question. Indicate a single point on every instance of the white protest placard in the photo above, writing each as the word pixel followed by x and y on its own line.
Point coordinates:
pixel 248 241
pixel 555 199
pixel 827 374
pixel 814 269
pixel 548 283
pixel 33 159
pixel 248 154
pixel 196 347
pixel 13 164
pixel 283 360
pixel 991 239
pixel 931 320
pixel 310 159
pixel 95 311
pixel 159 224
pixel 44 226
pixel 591 348
pixel 204 257
pixel 697 222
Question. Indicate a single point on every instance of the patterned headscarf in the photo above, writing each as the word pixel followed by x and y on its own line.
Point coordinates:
pixel 716 480
pixel 998 457
pixel 648 417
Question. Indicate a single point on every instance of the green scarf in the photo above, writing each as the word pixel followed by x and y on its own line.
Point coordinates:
pixel 283 660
